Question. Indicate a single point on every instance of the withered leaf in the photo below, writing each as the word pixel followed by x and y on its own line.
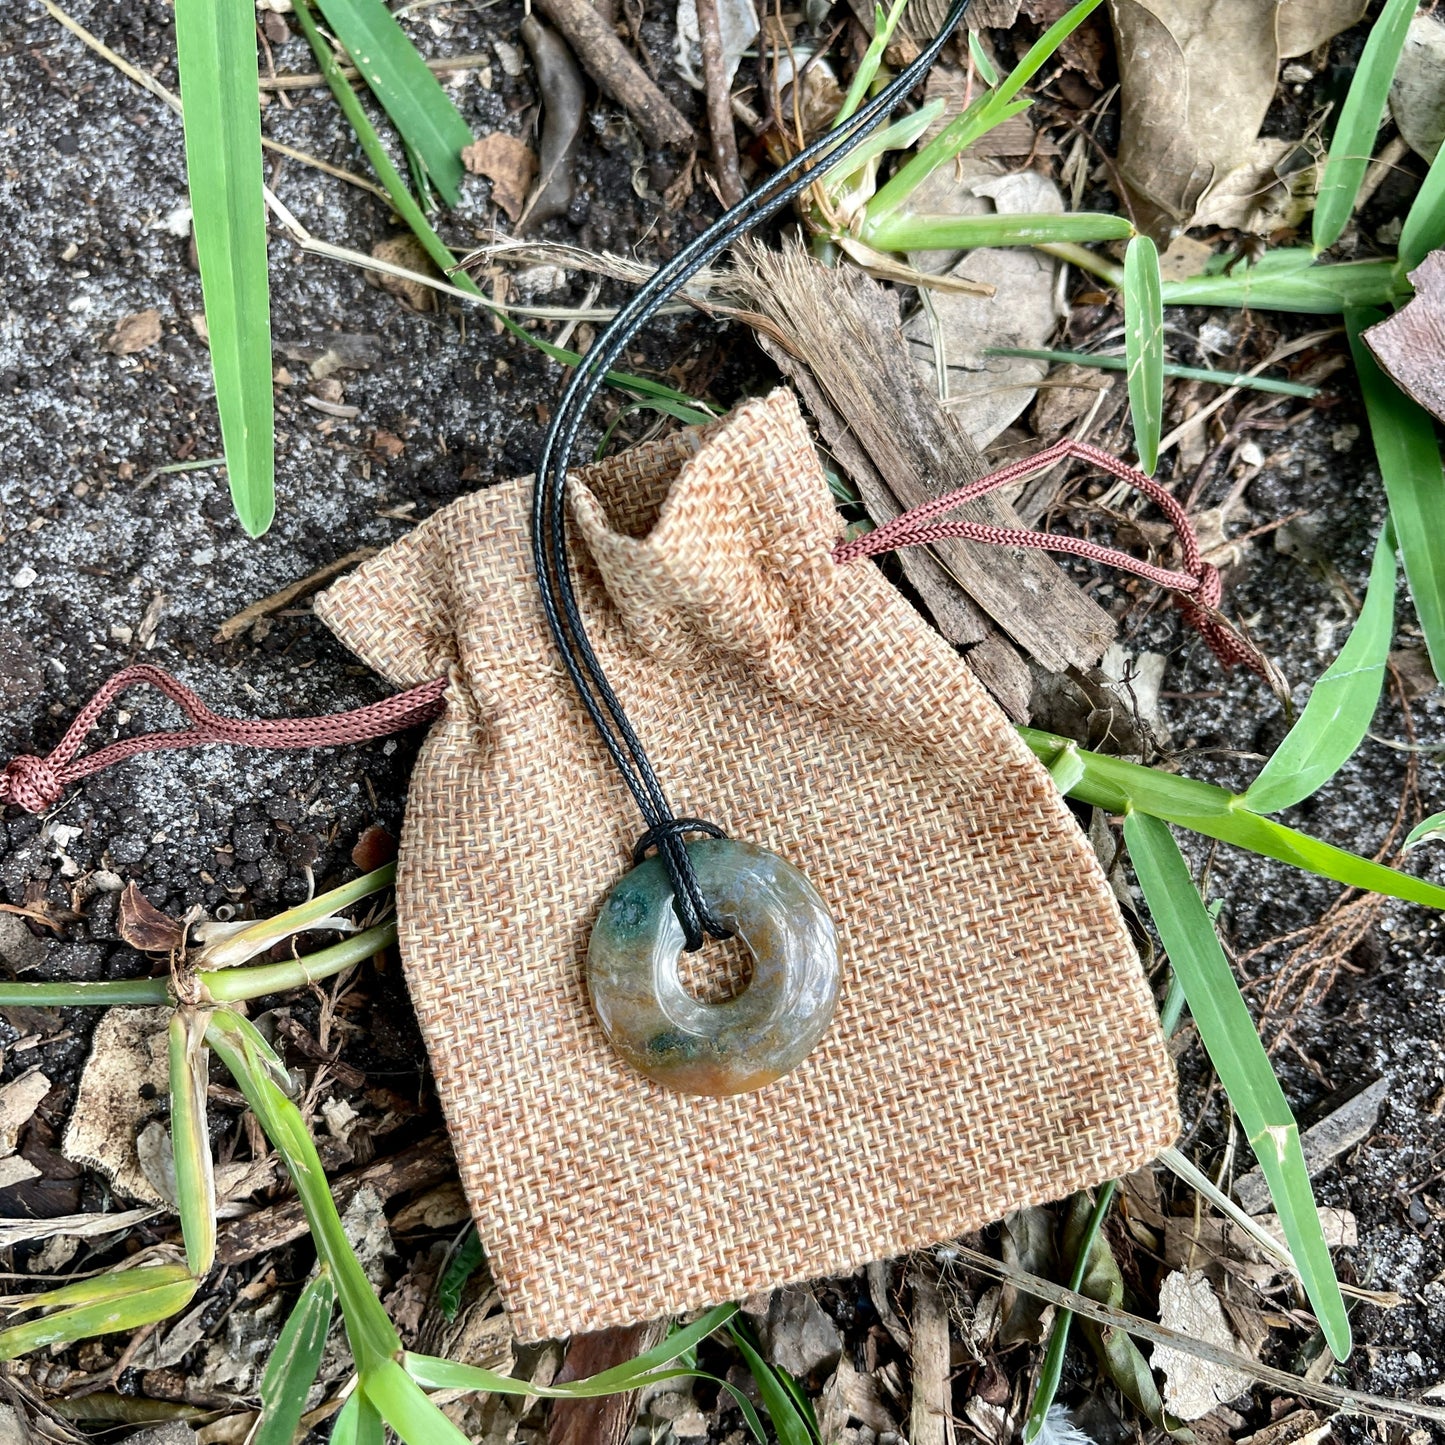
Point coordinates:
pixel 374 848
pixel 1411 343
pixel 1195 84
pixel 144 926
pixel 508 163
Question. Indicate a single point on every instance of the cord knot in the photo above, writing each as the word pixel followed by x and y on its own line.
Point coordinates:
pixel 30 783
pixel 1211 584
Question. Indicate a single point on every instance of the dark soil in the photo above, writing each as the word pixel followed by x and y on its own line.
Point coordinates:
pixel 104 562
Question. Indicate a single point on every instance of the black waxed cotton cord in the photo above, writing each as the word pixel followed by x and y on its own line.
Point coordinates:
pixel 664 830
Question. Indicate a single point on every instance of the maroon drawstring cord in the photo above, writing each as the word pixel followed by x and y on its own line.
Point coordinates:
pixel 35 784
pixel 1196 590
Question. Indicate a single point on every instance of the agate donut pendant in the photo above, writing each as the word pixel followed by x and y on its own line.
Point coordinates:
pixel 749 1040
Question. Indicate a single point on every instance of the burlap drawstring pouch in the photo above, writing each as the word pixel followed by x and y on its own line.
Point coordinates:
pixel 994 1042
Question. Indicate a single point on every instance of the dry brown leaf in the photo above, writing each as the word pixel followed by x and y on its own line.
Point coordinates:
pixel 121 1090
pixel 144 926
pixel 1196 81
pixel 508 163
pixel 1411 343
pixel 134 333
pixel 1194 1386
pixel 408 253
pixel 986 393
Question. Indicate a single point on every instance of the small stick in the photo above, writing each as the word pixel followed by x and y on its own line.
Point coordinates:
pixel 314 80
pixel 607 61
pixel 719 105
pixel 233 627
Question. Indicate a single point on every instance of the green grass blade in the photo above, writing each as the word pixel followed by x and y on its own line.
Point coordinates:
pixel 438 1374
pixel 867 71
pixel 1118 786
pixel 1144 347
pixel 136 1302
pixel 1360 117
pixel 1424 229
pixel 1410 466
pixel 381 163
pixel 981 62
pixel 1105 362
pixel 235 945
pixel 789 1423
pixel 216 56
pixel 990 110
pixel 1234 1048
pixel 190 1139
pixel 1433 827
pixel 1312 289
pixel 101 1288
pixel 295 1360
pixel 358 1423
pixel 405 1407
pixel 257 1072
pixel 1338 713
pixel 464 1263
pixel 409 93
pixel 909 232
pixel 1051 1372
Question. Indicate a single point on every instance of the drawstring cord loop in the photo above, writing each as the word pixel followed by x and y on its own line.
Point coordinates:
pixel 1196 590
pixel 36 784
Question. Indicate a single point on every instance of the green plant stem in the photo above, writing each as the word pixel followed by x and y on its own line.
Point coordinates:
pixel 1181 373
pixel 1085 260
pixel 228 985
pixel 1052 1369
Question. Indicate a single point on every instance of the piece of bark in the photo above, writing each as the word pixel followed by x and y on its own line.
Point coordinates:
pixel 930 1420
pixel 844 326
pixel 607 61
pixel 953 614
pixel 608 1419
pixel 1411 344
pixel 719 105
pixel 421 1166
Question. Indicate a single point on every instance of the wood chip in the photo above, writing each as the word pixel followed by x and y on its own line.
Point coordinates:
pixel 608 1419
pixel 822 314
pixel 930 1418
pixel 420 1167
pixel 123 1087
pixel 19 1100
pixel 134 333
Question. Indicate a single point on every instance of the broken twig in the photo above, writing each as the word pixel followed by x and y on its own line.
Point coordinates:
pixel 719 105
pixel 607 61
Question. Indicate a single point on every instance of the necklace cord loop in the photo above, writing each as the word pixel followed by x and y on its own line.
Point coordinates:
pixel 555 585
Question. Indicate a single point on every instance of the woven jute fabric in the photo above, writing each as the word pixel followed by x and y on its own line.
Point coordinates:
pixel 995 1043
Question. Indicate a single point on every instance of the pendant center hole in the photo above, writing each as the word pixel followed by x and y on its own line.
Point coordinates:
pixel 720 970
